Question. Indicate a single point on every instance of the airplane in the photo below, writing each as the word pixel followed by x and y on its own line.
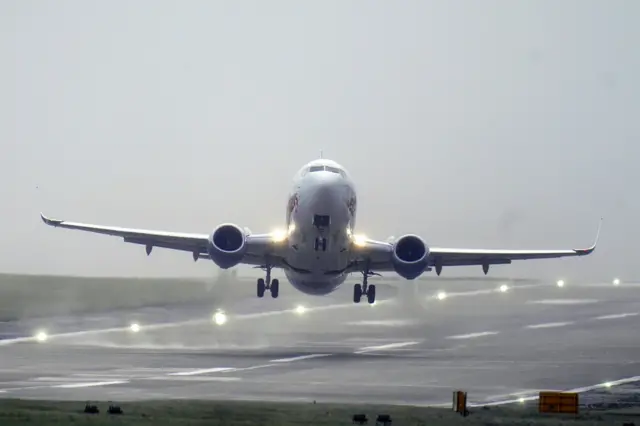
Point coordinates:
pixel 319 249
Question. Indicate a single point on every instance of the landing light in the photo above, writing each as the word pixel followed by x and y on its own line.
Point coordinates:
pixel 521 400
pixel 616 282
pixel 41 336
pixel 219 318
pixel 560 283
pixel 504 288
pixel 359 240
pixel 608 384
pixel 300 309
pixel 278 236
pixel 135 327
pixel 442 295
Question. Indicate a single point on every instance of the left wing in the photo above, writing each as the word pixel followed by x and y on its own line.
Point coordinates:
pixel 258 245
pixel 379 255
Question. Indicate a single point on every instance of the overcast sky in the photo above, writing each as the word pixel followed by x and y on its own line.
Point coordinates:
pixel 510 124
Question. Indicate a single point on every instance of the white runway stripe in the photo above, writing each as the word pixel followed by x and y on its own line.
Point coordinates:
pixel 300 358
pixel 473 335
pixel 616 316
pixel 201 371
pixel 550 324
pixel 385 347
pixel 91 384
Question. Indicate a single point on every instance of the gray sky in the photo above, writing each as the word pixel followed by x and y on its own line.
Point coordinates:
pixel 475 124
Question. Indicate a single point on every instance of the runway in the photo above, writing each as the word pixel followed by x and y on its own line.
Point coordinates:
pixel 496 345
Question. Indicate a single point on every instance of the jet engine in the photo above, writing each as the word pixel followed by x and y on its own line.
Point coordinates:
pixel 227 245
pixel 410 256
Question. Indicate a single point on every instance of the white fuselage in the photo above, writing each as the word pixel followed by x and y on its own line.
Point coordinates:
pixel 320 218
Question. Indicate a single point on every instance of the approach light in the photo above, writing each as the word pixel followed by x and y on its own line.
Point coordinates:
pixel 442 295
pixel 560 283
pixel 219 318
pixel 300 309
pixel 41 336
pixel 616 281
pixel 504 288
pixel 134 327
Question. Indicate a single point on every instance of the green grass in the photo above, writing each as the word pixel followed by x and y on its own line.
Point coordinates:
pixel 23 296
pixel 212 413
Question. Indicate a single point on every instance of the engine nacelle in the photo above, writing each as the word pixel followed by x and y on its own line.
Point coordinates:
pixel 410 256
pixel 227 245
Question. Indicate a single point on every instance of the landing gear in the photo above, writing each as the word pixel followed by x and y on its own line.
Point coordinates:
pixel 365 289
pixel 272 285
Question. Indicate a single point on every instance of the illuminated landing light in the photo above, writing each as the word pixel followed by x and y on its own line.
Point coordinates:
pixel 616 282
pixel 359 240
pixel 521 400
pixel 41 336
pixel 560 283
pixel 442 295
pixel 300 309
pixel 607 384
pixel 504 288
pixel 373 304
pixel 219 318
pixel 135 327
pixel 278 236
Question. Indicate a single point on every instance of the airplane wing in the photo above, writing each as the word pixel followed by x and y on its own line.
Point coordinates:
pixel 379 255
pixel 258 245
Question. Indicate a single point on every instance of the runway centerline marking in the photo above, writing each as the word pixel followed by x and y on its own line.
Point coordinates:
pixel 473 335
pixel 202 371
pixel 300 358
pixel 549 325
pixel 616 316
pixel 385 347
pixel 91 384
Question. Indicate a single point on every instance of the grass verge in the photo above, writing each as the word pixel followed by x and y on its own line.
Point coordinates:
pixel 183 412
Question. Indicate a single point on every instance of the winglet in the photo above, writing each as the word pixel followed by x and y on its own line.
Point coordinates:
pixel 49 221
pixel 584 252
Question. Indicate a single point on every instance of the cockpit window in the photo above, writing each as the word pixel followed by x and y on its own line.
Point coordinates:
pixel 321 167
pixel 334 170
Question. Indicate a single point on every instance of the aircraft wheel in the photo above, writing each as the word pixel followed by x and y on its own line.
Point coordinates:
pixel 371 293
pixel 357 293
pixel 275 286
pixel 261 287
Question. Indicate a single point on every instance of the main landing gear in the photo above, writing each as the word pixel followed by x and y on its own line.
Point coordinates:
pixel 366 289
pixel 268 284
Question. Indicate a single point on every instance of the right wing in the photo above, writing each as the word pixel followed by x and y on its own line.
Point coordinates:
pixel 258 246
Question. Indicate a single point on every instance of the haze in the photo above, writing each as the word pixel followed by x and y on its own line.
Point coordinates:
pixel 475 124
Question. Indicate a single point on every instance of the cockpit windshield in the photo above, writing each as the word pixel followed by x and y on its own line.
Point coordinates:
pixel 323 168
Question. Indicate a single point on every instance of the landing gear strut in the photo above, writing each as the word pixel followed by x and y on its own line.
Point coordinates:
pixel 365 289
pixel 268 284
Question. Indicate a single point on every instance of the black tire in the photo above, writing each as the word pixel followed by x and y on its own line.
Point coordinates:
pixel 261 287
pixel 371 293
pixel 357 293
pixel 275 287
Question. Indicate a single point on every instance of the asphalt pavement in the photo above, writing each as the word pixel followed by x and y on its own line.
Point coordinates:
pixel 497 343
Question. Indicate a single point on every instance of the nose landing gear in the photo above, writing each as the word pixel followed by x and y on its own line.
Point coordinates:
pixel 268 284
pixel 366 289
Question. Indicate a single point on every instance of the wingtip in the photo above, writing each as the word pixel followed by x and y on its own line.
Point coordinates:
pixel 589 250
pixel 49 221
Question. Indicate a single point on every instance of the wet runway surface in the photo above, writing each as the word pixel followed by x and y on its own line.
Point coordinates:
pixel 496 345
